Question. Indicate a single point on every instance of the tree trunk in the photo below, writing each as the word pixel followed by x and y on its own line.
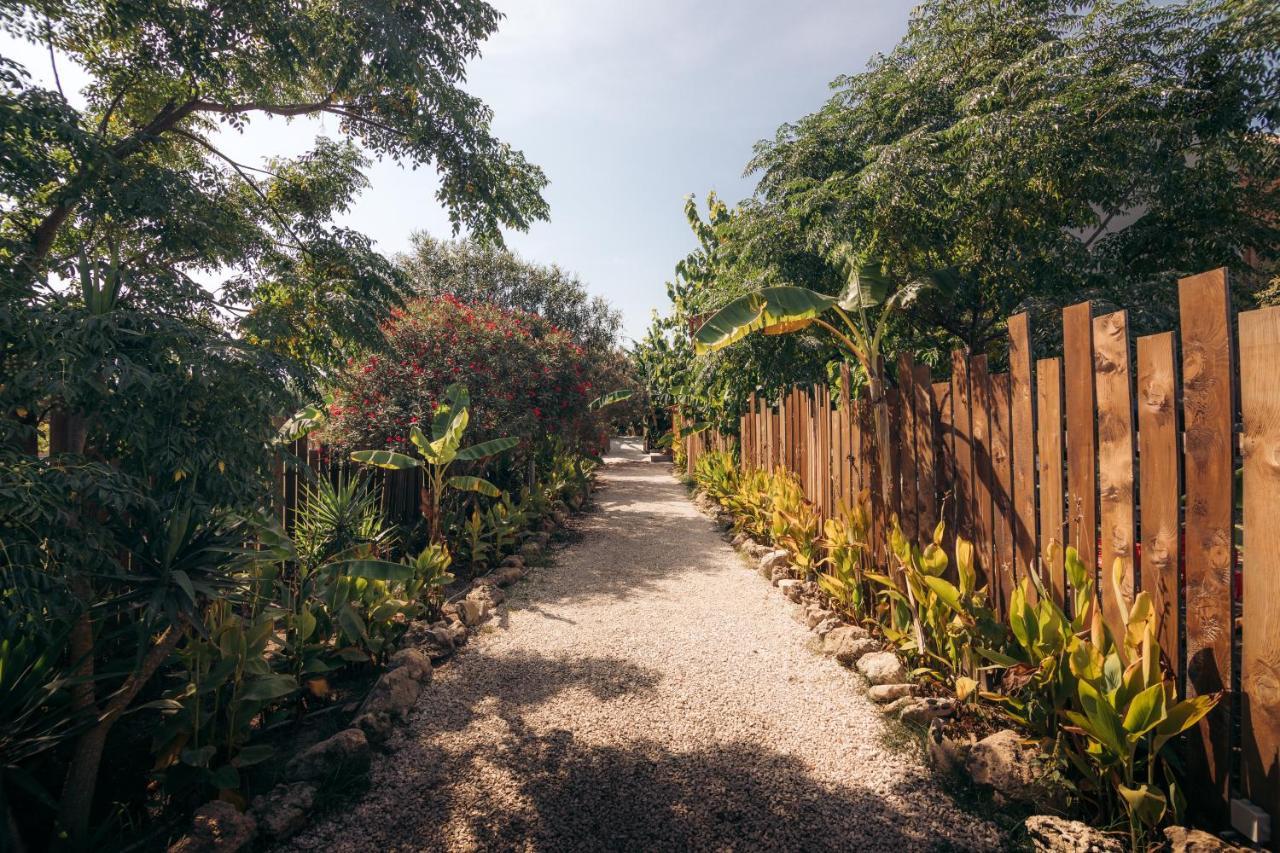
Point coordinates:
pixel 76 806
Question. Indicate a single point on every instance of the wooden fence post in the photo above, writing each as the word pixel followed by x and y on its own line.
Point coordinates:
pixel 1114 391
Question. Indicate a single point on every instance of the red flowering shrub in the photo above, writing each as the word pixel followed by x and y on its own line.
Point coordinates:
pixel 526 378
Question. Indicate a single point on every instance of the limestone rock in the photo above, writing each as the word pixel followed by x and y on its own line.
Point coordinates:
pixel 853 649
pixel 513 560
pixel 530 551
pixel 779 573
pixel 217 827
pixel 1058 835
pixel 773 560
pixel 945 755
pixel 740 540
pixel 345 754
pixel 890 692
pixel 921 712
pixel 826 626
pixel 282 811
pixel 1013 769
pixel 789 587
pixel 882 668
pixel 1184 840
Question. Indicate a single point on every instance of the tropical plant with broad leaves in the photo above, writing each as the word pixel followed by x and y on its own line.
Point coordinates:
pixel 439 453
pixel 783 309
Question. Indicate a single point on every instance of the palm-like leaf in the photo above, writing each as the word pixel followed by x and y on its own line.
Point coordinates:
pixel 773 310
pixel 610 398
pixel 387 459
pixel 485 449
pixel 475 484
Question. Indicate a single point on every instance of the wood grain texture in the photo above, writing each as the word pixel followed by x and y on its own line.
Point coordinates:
pixel 1022 405
pixel 980 511
pixel 1082 447
pixel 946 471
pixel 1207 403
pixel 1053 525
pixel 1260 654
pixel 962 443
pixel 905 437
pixel 1003 574
pixel 1160 485
pixel 926 451
pixel 1114 392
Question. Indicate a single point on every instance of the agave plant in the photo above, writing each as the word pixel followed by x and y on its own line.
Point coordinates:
pixel 439 453
pixel 782 309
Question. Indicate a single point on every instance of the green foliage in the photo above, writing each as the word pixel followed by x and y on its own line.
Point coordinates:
pixel 477 273
pixel 936 623
pixel 845 538
pixel 438 453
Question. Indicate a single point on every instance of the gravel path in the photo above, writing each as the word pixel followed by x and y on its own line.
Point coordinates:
pixel 648 692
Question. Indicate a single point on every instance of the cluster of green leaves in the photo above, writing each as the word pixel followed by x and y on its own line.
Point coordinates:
pixel 1023 155
pixel 1102 706
pixel 213 297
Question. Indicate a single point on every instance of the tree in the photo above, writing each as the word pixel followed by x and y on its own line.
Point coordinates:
pixel 160 302
pixel 475 272
pixel 1046 150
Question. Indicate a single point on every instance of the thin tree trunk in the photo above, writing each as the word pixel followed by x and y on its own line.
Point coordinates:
pixel 76 806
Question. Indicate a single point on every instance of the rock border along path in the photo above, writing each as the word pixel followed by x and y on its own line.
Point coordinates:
pixel 647 692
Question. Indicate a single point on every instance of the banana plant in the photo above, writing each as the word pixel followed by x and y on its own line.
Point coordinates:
pixel 438 453
pixel 783 309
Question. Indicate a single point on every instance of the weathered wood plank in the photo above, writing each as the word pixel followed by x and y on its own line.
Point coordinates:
pixel 926 452
pixel 1260 653
pixel 1002 486
pixel 1160 485
pixel 1114 390
pixel 905 437
pixel 1022 426
pixel 1050 467
pixel 1082 446
pixel 981 511
pixel 1207 403
pixel 962 443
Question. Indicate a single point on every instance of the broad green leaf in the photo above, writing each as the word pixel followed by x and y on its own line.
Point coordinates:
pixel 301 423
pixel 388 459
pixel 866 286
pixel 475 484
pixel 944 590
pixel 374 570
pixel 1183 716
pixel 1145 711
pixel 486 448
pixel 352 624
pixel 225 778
pixel 268 687
pixel 779 309
pixel 610 398
pixel 1145 802
pixel 252 755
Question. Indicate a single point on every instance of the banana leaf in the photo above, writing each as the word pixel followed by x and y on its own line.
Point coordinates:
pixel 610 398
pixel 475 484
pixel 486 448
pixel 388 459
pixel 773 310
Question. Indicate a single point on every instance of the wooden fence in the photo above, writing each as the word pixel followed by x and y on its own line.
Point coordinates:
pixel 1164 452
pixel 400 491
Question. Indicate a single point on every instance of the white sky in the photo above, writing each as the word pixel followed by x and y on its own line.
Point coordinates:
pixel 627 107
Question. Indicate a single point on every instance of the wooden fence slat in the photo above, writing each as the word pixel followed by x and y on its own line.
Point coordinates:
pixel 1022 426
pixel 1052 496
pixel 926 452
pixel 1082 452
pixel 942 394
pixel 1260 654
pixel 1002 488
pixel 980 433
pixel 1160 486
pixel 1207 401
pixel 962 443
pixel 1114 391
pixel 905 439
pixel 892 401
